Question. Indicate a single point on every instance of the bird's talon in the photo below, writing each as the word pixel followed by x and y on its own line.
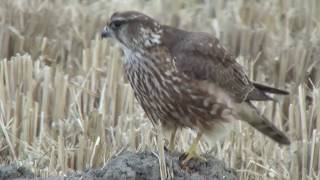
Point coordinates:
pixel 186 157
pixel 182 157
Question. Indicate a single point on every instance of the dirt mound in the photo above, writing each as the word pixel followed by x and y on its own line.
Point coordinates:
pixel 142 165
pixel 15 171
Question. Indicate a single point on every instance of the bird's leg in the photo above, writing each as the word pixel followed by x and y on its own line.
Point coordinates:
pixel 172 138
pixel 192 152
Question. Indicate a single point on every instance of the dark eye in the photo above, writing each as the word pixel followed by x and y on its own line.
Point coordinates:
pixel 116 24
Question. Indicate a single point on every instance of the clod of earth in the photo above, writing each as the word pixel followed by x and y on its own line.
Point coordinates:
pixel 141 165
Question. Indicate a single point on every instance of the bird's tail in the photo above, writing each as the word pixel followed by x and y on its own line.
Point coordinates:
pixel 250 114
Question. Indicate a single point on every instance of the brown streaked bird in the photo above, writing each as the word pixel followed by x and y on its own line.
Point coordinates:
pixel 187 79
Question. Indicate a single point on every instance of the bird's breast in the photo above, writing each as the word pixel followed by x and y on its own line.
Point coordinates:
pixel 168 96
pixel 155 90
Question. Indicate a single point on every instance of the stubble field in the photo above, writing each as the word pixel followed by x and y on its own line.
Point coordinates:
pixel 65 104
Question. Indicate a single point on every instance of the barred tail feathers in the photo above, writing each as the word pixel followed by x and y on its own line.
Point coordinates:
pixel 250 114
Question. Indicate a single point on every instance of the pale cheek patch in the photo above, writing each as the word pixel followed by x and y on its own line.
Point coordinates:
pixel 155 38
pixel 149 38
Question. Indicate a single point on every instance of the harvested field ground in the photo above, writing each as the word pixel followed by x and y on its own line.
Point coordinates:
pixel 65 104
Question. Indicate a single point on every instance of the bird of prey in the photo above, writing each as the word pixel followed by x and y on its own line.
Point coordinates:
pixel 187 79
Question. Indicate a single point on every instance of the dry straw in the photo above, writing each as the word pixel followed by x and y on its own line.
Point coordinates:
pixel 65 105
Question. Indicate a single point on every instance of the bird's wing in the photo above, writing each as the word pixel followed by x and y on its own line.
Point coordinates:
pixel 202 58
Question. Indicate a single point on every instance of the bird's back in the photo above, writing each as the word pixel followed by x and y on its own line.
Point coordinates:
pixel 202 58
pixel 168 95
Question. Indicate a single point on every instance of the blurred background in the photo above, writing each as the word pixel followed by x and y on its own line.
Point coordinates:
pixel 65 105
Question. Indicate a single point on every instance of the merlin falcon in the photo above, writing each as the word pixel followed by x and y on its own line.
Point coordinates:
pixel 187 79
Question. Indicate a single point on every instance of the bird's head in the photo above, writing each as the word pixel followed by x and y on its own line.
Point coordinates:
pixel 133 30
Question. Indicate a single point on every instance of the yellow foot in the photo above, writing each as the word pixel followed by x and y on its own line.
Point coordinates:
pixel 186 157
pixel 191 153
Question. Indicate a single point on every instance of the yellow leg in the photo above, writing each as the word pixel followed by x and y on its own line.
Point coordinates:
pixel 172 138
pixel 192 152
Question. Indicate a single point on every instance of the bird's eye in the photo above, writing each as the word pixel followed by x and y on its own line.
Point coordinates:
pixel 116 24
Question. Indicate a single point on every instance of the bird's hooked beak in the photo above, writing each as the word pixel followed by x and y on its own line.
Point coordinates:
pixel 106 32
